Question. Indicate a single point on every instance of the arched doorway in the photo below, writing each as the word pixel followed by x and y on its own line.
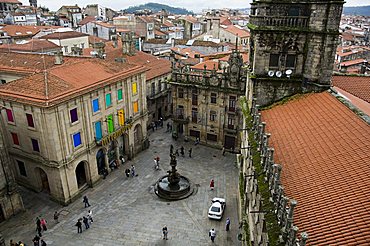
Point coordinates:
pixel 81 174
pixel 124 149
pixel 44 180
pixel 112 151
pixel 100 161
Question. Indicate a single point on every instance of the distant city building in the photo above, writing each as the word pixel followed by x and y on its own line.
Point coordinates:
pixel 7 6
pixel 99 29
pixel 72 13
pixel 33 3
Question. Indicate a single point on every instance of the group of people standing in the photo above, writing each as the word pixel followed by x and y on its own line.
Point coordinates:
pixel 182 151
pixel 86 220
pixel 212 233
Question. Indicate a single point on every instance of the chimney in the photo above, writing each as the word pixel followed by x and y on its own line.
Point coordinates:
pixel 58 58
pixel 99 47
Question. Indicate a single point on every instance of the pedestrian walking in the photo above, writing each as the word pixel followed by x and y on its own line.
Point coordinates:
pixel 190 150
pixel 212 235
pixel 197 141
pixel 43 224
pixel 43 243
pixel 182 151
pixel 212 184
pixel 79 226
pixel 223 151
pixel 227 225
pixel 11 243
pixel 177 152
pixel 153 125
pixel 20 243
pixel 168 126
pixel 36 241
pixel 56 217
pixel 89 216
pixel 38 226
pixel 171 149
pixel 86 201
pixel 122 160
pixel 133 170
pixel 127 172
pixel 165 232
pixel 86 222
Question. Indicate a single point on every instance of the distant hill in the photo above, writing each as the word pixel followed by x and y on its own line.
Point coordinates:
pixel 156 7
pixel 360 10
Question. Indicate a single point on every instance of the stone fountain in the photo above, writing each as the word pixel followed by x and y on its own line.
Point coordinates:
pixel 173 186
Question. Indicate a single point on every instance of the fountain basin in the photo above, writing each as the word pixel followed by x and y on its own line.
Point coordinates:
pixel 183 189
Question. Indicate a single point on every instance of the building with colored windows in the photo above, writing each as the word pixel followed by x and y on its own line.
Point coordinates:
pixel 67 118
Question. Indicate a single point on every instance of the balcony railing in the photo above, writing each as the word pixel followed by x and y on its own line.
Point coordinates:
pixel 279 21
pixel 180 118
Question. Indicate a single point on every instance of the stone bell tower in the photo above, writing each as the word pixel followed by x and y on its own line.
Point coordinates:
pixel 293 44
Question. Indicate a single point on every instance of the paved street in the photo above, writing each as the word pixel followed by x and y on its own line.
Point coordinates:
pixel 126 210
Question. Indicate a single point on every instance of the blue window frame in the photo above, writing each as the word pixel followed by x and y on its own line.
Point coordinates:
pixel 98 130
pixel 95 105
pixel 77 139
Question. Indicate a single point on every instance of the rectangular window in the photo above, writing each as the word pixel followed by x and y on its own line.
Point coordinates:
pixel 95 105
pixel 119 95
pixel 274 60
pixel 121 117
pixel 110 123
pixel 159 86
pixel 73 114
pixel 290 61
pixel 108 100
pixel 180 92
pixel 134 88
pixel 65 49
pixel 194 97
pixel 194 133
pixel 30 122
pixel 77 139
pixel 35 145
pixel 9 114
pixel 213 97
pixel 230 121
pixel 98 130
pixel 180 112
pixel 232 102
pixel 194 115
pixel 212 116
pixel 153 89
pixel 15 138
pixel 136 107
pixel 22 168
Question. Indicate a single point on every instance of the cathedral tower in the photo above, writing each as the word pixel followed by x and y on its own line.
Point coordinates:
pixel 293 44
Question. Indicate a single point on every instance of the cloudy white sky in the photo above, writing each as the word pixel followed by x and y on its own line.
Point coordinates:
pixel 194 5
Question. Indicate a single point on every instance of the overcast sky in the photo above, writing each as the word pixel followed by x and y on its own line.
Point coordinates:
pixel 194 5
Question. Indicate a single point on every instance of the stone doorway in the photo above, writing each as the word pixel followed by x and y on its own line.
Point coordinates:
pixel 100 161
pixel 81 174
pixel 44 180
pixel 229 142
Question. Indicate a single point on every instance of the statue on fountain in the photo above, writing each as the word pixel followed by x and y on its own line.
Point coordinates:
pixel 173 175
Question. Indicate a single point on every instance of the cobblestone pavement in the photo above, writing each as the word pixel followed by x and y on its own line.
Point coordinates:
pixel 126 210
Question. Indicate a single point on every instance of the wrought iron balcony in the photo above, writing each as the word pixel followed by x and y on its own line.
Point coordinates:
pixel 180 118
pixel 279 21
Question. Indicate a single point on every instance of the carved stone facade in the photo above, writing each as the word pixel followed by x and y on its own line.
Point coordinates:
pixel 205 103
pixel 292 47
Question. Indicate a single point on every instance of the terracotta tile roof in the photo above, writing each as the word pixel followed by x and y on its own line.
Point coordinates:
pixel 185 51
pixel 242 33
pixel 225 21
pixel 74 77
pixel 357 102
pixel 156 66
pixel 210 65
pixel 11 1
pixel 323 148
pixel 18 31
pixel 86 20
pixel 104 24
pixel 245 57
pixel 64 35
pixel 352 62
pixel 33 45
pixel 190 19
pixel 356 85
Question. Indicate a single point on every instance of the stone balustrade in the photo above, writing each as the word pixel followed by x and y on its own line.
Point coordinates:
pixel 279 21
